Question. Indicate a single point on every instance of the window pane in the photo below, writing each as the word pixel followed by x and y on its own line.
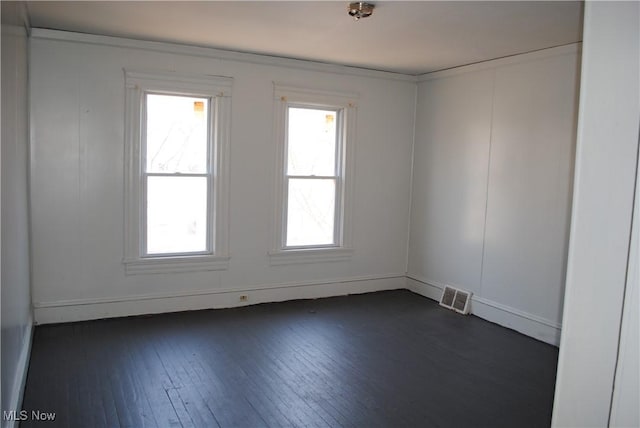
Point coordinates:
pixel 311 212
pixel 176 214
pixel 176 134
pixel 311 142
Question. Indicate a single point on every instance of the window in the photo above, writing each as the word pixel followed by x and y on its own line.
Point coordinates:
pixel 315 133
pixel 312 177
pixel 176 202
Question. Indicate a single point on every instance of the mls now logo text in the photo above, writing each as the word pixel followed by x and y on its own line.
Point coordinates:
pixel 23 415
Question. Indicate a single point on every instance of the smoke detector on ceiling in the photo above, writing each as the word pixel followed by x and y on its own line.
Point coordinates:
pixel 360 9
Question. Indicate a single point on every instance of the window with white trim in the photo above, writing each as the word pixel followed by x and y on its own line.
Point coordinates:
pixel 315 133
pixel 177 136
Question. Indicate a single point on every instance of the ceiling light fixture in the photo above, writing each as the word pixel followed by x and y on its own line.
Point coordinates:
pixel 360 9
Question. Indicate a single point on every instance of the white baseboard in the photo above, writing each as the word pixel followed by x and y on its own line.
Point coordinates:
pixel 20 379
pixel 531 325
pixel 87 309
pixel 424 289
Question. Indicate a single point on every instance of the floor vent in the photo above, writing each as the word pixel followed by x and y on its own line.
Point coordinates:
pixel 454 299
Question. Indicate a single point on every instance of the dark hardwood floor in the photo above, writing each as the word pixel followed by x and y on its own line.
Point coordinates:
pixel 387 359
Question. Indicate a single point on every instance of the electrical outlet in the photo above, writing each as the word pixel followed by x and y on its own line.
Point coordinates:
pixel 244 298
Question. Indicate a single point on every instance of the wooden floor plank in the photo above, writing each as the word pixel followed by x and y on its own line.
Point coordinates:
pixel 384 359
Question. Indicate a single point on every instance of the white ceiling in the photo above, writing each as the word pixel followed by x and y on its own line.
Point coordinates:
pixel 412 37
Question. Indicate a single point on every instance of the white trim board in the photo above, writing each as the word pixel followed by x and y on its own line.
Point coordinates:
pixel 87 309
pixel 531 325
pixel 520 58
pixel 178 49
pixel 20 379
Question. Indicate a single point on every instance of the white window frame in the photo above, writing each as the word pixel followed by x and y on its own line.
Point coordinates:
pixel 345 104
pixel 218 91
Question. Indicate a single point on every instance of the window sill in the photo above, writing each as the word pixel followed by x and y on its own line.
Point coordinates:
pixel 315 255
pixel 175 264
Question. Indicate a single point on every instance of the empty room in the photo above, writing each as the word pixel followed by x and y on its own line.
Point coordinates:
pixel 320 214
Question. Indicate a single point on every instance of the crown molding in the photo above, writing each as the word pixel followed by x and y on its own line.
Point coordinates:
pixel 189 50
pixel 572 48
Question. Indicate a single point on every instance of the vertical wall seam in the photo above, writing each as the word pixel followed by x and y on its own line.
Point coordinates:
pixel 634 224
pixel 25 15
pixel 486 198
pixel 81 168
pixel 29 158
pixel 411 168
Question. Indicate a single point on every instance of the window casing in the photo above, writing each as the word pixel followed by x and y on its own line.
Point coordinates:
pixel 315 137
pixel 176 172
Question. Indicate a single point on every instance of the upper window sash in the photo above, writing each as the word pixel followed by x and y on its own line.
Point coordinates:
pixel 210 135
pixel 340 137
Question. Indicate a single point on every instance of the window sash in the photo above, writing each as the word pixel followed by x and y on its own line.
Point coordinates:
pixel 337 178
pixel 337 209
pixel 337 156
pixel 145 223
pixel 144 178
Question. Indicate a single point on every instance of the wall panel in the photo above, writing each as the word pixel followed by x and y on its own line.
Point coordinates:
pixel 492 186
pixel 15 279
pixel 450 179
pixel 529 192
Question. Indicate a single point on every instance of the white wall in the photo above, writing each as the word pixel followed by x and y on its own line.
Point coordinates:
pixel 16 300
pixel 492 186
pixel 626 392
pixel 598 265
pixel 77 92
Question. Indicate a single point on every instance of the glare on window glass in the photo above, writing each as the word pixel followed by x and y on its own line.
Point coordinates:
pixel 311 212
pixel 177 129
pixel 176 214
pixel 311 142
pixel 176 148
